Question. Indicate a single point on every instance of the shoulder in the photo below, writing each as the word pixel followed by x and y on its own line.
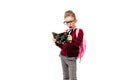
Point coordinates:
pixel 80 30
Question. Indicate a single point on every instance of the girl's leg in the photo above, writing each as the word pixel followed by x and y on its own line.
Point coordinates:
pixel 65 68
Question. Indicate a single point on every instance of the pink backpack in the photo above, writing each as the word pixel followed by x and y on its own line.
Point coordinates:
pixel 82 47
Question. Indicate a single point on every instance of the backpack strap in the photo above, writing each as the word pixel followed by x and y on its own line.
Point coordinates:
pixel 82 47
pixel 77 31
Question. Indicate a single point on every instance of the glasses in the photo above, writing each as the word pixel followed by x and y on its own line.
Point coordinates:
pixel 67 22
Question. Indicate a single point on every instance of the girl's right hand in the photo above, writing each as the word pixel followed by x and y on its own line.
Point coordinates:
pixel 54 40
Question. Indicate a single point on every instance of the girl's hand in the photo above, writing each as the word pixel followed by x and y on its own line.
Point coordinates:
pixel 54 40
pixel 69 38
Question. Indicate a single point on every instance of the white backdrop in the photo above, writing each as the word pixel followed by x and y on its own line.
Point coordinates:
pixel 28 53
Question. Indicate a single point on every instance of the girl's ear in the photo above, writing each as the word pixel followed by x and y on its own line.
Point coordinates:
pixel 75 20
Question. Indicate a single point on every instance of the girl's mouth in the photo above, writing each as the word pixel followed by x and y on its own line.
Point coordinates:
pixel 70 27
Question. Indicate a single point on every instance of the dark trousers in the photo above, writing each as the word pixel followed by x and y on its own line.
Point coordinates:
pixel 69 67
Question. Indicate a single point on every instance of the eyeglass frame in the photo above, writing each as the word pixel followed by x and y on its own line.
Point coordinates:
pixel 67 22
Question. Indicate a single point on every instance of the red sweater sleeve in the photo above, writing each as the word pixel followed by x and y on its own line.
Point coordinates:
pixel 78 39
pixel 59 45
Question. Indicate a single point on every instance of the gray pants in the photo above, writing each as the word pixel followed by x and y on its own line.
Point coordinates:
pixel 69 68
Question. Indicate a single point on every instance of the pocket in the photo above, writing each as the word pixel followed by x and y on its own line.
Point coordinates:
pixel 72 59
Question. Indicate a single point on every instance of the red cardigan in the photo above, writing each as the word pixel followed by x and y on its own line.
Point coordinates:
pixel 71 49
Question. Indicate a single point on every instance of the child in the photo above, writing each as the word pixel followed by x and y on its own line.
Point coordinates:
pixel 69 51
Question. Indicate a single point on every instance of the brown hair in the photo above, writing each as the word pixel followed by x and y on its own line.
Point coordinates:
pixel 70 13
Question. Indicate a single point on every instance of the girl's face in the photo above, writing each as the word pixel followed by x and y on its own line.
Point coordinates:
pixel 70 22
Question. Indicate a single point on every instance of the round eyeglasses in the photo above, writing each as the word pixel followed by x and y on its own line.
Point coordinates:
pixel 67 22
